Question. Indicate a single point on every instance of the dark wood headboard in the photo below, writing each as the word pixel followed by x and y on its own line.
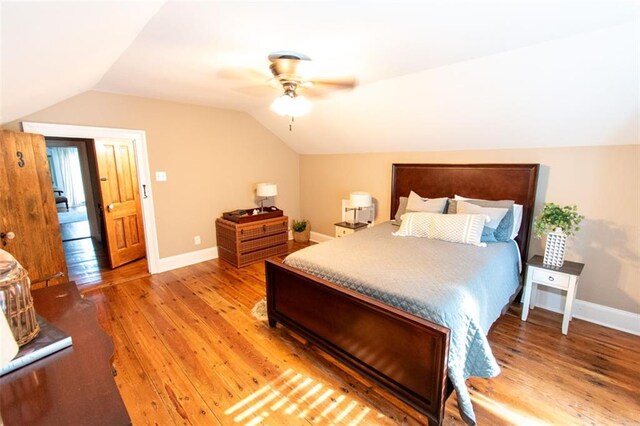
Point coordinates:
pixel 515 182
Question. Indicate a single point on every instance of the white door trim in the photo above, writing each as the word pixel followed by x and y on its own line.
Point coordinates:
pixel 139 138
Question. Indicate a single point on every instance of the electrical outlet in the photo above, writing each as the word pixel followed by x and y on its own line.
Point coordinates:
pixel 197 240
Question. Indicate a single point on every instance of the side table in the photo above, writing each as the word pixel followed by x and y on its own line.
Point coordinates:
pixel 563 278
pixel 346 228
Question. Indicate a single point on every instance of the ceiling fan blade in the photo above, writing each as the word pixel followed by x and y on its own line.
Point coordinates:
pixel 339 83
pixel 322 88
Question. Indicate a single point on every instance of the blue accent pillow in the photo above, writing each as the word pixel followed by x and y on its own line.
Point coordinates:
pixel 488 235
pixel 503 231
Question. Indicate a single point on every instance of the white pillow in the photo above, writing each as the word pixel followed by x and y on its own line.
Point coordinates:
pixel 414 225
pixel 517 215
pixel 458 228
pixel 496 214
pixel 416 203
pixel 517 220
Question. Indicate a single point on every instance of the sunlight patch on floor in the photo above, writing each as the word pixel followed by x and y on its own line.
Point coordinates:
pixel 292 394
pixel 510 415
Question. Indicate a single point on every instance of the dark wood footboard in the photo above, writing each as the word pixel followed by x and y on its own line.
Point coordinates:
pixel 405 354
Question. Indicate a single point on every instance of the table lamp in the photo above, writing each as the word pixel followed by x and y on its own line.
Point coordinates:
pixel 358 200
pixel 266 190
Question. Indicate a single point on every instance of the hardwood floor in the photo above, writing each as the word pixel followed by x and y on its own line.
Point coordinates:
pixel 88 265
pixel 188 351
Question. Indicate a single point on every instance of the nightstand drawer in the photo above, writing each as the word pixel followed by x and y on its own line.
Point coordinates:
pixel 341 232
pixel 551 278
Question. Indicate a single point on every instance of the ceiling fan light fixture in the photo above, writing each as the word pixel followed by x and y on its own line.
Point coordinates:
pixel 291 105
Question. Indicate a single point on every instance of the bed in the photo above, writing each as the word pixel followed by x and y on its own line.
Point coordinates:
pixel 398 348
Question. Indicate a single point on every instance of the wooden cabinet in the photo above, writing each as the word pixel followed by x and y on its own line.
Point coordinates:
pixel 244 243
pixel 72 386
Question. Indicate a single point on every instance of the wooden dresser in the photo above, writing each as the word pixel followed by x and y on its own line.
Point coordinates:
pixel 244 243
pixel 74 386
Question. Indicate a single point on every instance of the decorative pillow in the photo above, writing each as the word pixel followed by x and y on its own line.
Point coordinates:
pixel 496 214
pixel 488 235
pixel 416 203
pixel 458 228
pixel 414 225
pixel 505 228
pixel 402 209
pixel 487 232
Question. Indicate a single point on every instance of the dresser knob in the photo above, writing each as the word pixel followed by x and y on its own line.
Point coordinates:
pixel 264 228
pixel 550 278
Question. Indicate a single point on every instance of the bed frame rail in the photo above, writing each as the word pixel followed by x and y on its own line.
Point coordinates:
pixel 404 354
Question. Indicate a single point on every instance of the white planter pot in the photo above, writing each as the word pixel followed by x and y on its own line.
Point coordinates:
pixel 555 248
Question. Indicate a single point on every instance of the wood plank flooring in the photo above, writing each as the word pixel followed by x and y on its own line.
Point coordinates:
pixel 89 267
pixel 188 351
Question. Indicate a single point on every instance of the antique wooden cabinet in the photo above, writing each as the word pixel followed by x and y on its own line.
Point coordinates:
pixel 244 243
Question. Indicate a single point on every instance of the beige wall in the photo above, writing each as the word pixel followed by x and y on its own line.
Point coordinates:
pixel 213 159
pixel 603 181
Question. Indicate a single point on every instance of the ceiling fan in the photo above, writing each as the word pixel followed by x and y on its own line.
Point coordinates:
pixel 292 72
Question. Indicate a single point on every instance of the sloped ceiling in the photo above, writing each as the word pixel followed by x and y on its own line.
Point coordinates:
pixel 54 50
pixel 429 72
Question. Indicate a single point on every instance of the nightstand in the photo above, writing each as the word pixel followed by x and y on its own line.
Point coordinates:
pixel 563 278
pixel 346 228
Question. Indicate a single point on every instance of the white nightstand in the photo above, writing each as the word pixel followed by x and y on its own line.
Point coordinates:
pixel 346 228
pixel 563 278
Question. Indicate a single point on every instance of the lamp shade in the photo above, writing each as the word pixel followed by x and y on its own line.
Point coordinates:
pixel 360 199
pixel 266 190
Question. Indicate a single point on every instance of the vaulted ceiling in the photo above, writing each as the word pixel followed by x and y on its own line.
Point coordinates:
pixel 430 73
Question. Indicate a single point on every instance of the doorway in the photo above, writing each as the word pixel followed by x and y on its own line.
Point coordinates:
pixel 144 175
pixel 76 178
pixel 72 175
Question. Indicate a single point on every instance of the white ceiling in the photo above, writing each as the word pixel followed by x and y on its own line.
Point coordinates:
pixel 397 50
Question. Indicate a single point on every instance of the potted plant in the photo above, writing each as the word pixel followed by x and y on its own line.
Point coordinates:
pixel 557 223
pixel 301 230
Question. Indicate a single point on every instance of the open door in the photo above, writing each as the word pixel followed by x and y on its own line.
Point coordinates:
pixel 29 228
pixel 120 200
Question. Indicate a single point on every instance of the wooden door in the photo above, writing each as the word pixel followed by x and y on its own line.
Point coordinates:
pixel 120 200
pixel 29 227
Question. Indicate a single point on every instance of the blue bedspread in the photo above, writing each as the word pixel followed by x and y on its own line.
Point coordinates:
pixel 462 287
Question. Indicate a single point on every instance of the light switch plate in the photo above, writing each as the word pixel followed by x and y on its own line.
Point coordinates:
pixel 161 176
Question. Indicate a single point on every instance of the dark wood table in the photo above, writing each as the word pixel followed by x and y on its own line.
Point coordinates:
pixel 74 385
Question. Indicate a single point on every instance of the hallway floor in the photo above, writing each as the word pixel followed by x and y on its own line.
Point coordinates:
pixel 88 265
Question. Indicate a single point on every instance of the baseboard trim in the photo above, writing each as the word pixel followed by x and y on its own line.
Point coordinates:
pixel 617 319
pixel 317 237
pixel 186 259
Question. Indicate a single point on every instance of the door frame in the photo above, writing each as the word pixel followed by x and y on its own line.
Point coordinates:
pixel 139 138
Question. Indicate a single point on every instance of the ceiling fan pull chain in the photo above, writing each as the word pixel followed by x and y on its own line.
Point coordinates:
pixel 290 123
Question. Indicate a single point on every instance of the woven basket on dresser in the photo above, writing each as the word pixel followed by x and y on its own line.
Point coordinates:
pixel 16 302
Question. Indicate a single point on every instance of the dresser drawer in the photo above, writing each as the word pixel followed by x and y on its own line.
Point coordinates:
pixel 263 242
pixel 551 278
pixel 262 229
